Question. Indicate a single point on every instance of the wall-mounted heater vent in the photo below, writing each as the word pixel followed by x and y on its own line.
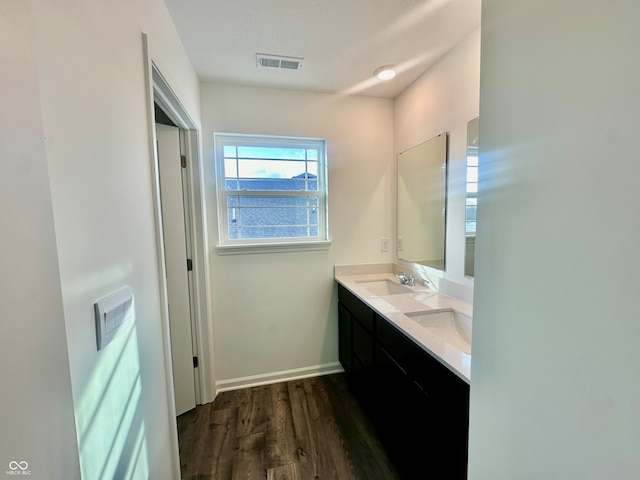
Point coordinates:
pixel 274 61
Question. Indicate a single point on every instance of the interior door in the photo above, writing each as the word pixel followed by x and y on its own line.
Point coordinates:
pixel 175 254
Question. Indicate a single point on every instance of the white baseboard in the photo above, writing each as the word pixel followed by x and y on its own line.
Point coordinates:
pixel 275 377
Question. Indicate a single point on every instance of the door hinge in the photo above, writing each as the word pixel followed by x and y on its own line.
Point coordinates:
pixel 195 362
pixel 189 265
pixel 183 161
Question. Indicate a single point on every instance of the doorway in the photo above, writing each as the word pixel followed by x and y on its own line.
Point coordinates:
pixel 178 264
pixel 165 108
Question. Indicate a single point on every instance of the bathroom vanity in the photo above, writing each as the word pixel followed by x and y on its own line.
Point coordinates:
pixel 407 354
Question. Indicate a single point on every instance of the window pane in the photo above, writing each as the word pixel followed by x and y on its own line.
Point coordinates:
pixel 275 232
pixel 272 216
pixel 271 152
pixel 251 168
pixel 273 201
pixel 230 151
pixel 472 174
pixel 253 217
pixel 230 168
pixel 470 215
pixel 287 184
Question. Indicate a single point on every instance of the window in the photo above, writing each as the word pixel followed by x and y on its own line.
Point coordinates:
pixel 272 191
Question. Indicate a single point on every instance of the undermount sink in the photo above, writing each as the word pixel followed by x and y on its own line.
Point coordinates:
pixel 450 326
pixel 385 287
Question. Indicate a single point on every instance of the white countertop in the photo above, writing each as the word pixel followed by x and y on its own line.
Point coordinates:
pixel 395 307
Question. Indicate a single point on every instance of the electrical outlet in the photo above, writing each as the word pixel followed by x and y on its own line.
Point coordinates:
pixel 400 243
pixel 384 245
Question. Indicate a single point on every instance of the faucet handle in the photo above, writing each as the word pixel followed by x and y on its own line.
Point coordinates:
pixel 406 279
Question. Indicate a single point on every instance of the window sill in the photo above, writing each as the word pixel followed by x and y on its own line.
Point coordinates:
pixel 248 248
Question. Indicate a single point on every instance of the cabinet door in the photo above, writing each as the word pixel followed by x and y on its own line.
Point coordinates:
pixel 344 338
pixel 392 387
pixel 362 355
pixel 405 417
pixel 362 342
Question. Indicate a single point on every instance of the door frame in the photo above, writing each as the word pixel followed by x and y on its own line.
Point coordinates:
pixel 159 91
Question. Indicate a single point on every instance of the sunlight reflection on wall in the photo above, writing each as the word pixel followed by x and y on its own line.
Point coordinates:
pixel 111 430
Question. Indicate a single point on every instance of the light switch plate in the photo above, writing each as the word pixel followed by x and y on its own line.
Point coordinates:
pixel 112 313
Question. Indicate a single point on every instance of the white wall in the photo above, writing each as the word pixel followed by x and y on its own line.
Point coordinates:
pixel 444 99
pixel 277 312
pixel 36 407
pixel 91 80
pixel 555 390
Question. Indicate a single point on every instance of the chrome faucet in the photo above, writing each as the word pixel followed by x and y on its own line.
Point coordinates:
pixel 405 279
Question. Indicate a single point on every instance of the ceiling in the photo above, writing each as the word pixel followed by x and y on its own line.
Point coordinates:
pixel 342 42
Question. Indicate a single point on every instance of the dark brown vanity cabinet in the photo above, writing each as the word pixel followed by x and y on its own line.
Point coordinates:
pixel 419 407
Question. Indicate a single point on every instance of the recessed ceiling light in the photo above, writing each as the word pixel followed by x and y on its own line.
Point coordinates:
pixel 386 72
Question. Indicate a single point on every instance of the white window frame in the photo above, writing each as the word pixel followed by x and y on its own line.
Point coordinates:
pixel 227 246
pixel 471 152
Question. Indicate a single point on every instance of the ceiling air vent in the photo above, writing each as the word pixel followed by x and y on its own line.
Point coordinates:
pixel 275 61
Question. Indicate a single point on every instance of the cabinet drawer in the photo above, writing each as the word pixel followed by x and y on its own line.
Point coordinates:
pixel 393 341
pixel 357 307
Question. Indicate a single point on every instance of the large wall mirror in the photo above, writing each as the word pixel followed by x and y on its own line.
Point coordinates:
pixel 472 197
pixel 422 197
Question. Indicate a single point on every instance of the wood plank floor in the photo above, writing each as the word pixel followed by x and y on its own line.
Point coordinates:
pixel 310 429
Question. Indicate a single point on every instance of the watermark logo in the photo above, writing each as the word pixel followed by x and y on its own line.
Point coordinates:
pixel 18 468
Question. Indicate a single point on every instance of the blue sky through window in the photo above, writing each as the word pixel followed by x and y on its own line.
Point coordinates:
pixel 269 162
